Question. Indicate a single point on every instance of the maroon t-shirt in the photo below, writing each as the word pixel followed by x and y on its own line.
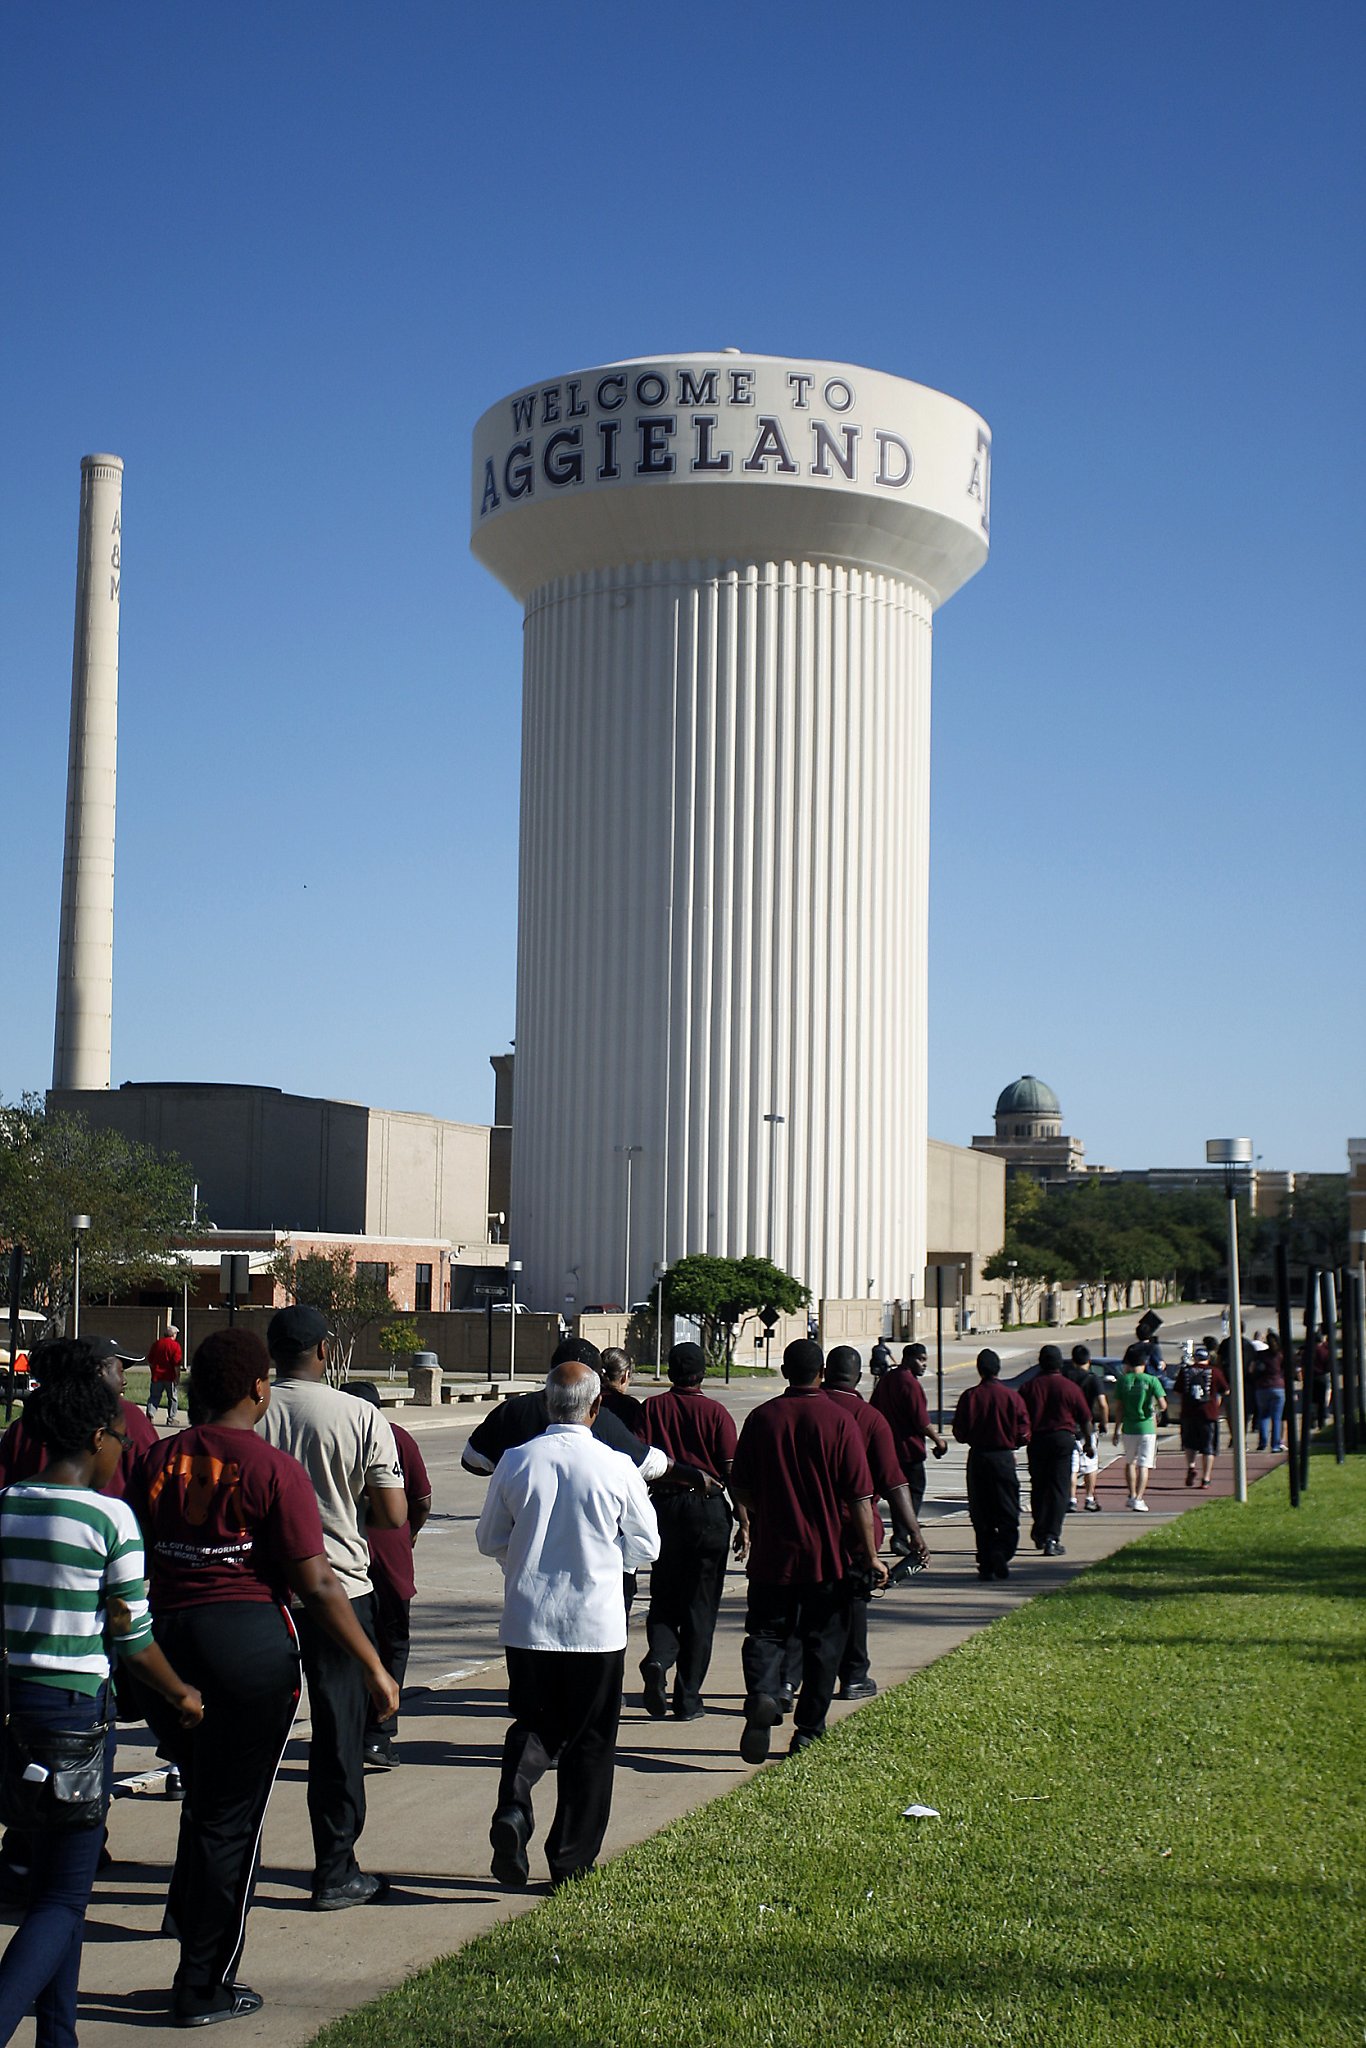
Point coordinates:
pixel 1207 1410
pixel 23 1454
pixel 880 1447
pixel 692 1429
pixel 223 1513
pixel 391 1550
pixel 900 1397
pixel 800 1461
pixel 1055 1402
pixel 990 1417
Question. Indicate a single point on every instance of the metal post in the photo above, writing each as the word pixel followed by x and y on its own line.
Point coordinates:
pixel 660 1270
pixel 488 1351
pixel 1235 1349
pixel 772 1119
pixel 1288 1359
pixel 1329 1305
pixel 78 1224
pixel 16 1282
pixel 939 1345
pixel 1104 1317
pixel 1347 1352
pixel 514 1268
pixel 1359 1291
pixel 630 1152
pixel 1311 1301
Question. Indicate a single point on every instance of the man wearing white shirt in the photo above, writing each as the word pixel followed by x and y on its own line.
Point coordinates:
pixel 565 1517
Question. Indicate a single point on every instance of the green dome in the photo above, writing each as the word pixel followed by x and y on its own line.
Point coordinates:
pixel 1029 1096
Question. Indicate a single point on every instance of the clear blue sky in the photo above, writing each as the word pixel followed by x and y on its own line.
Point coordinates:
pixel 280 258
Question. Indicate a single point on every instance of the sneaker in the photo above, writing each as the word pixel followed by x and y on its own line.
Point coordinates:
pixel 1071 1507
pixel 242 2002
pixel 1053 1548
pixel 380 1756
pixel 1140 1507
pixel 366 1888
pixel 1093 1507
pixel 509 1833
pixel 761 1711
pixel 1190 1476
pixel 655 1699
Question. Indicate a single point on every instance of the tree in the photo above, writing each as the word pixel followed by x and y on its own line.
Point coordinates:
pixel 329 1282
pixel 1313 1223
pixel 139 1203
pixel 400 1339
pixel 719 1293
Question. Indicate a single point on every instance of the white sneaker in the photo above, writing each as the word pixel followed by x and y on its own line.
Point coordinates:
pixel 1140 1507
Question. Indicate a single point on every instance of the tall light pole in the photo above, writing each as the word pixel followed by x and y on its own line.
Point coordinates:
pixel 1231 1153
pixel 514 1268
pixel 78 1224
pixel 629 1152
pixel 1012 1266
pixel 660 1270
pixel 773 1120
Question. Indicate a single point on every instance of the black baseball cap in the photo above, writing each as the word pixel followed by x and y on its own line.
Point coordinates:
pixel 295 1330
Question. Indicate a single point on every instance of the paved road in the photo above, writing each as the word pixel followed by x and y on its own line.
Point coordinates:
pixel 428 1822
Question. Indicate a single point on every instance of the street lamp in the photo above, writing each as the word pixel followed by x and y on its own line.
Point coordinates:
pixel 1011 1265
pixel 78 1224
pixel 660 1270
pixel 514 1268
pixel 1231 1153
pixel 773 1120
pixel 629 1152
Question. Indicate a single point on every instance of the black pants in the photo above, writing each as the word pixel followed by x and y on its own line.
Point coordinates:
pixel 994 1507
pixel 337 1706
pixel 685 1588
pixel 854 1665
pixel 818 1616
pixel 915 1479
pixel 565 1706
pixel 393 1634
pixel 244 1657
pixel 1050 1482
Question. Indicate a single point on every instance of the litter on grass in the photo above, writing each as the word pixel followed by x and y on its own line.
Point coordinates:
pixel 920 1813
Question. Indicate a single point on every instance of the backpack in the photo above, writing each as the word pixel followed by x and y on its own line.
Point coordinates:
pixel 1198 1382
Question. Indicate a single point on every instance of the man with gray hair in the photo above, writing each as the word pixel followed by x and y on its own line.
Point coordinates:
pixel 564 1517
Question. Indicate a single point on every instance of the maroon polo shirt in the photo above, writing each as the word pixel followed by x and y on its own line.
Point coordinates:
pixel 225 1514
pixel 626 1408
pixel 692 1429
pixel 23 1454
pixel 391 1550
pixel 900 1397
pixel 990 1417
pixel 880 1448
pixel 801 1462
pixel 1055 1402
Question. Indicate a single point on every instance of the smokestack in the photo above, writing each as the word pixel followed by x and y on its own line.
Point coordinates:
pixel 85 965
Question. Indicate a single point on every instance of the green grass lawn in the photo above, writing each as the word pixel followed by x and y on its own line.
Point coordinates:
pixel 1153 1832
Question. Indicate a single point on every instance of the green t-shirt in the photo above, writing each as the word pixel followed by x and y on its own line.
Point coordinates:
pixel 1141 1396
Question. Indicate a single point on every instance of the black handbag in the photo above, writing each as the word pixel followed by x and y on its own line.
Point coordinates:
pixel 49 1777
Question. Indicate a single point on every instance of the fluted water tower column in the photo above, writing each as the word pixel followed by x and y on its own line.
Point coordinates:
pixel 85 965
pixel 729 566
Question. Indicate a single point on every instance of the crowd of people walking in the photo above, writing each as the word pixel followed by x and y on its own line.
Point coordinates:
pixel 195 1580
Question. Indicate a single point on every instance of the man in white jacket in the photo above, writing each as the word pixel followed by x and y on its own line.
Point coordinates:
pixel 565 1517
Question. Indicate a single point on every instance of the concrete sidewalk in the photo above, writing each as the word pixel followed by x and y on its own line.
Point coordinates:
pixel 428 1825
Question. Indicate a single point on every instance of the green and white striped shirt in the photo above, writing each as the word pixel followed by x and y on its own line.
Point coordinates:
pixel 68 1557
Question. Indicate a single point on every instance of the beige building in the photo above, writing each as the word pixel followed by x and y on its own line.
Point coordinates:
pixel 1029 1135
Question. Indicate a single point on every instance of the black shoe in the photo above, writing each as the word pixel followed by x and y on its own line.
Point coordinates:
pixel 366 1888
pixel 173 1787
pixel 802 1738
pixel 509 1833
pixel 1000 1571
pixel 783 1699
pixel 761 1711
pixel 244 2003
pixel 380 1756
pixel 1053 1548
pixel 984 1571
pixel 685 1712
pixel 859 1689
pixel 655 1700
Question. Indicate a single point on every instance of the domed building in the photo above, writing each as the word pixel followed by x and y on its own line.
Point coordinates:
pixel 1029 1135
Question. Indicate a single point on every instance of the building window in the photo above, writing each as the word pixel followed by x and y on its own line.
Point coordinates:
pixel 373 1269
pixel 422 1287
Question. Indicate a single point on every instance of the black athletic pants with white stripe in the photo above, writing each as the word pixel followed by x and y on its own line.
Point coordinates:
pixel 244 1658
